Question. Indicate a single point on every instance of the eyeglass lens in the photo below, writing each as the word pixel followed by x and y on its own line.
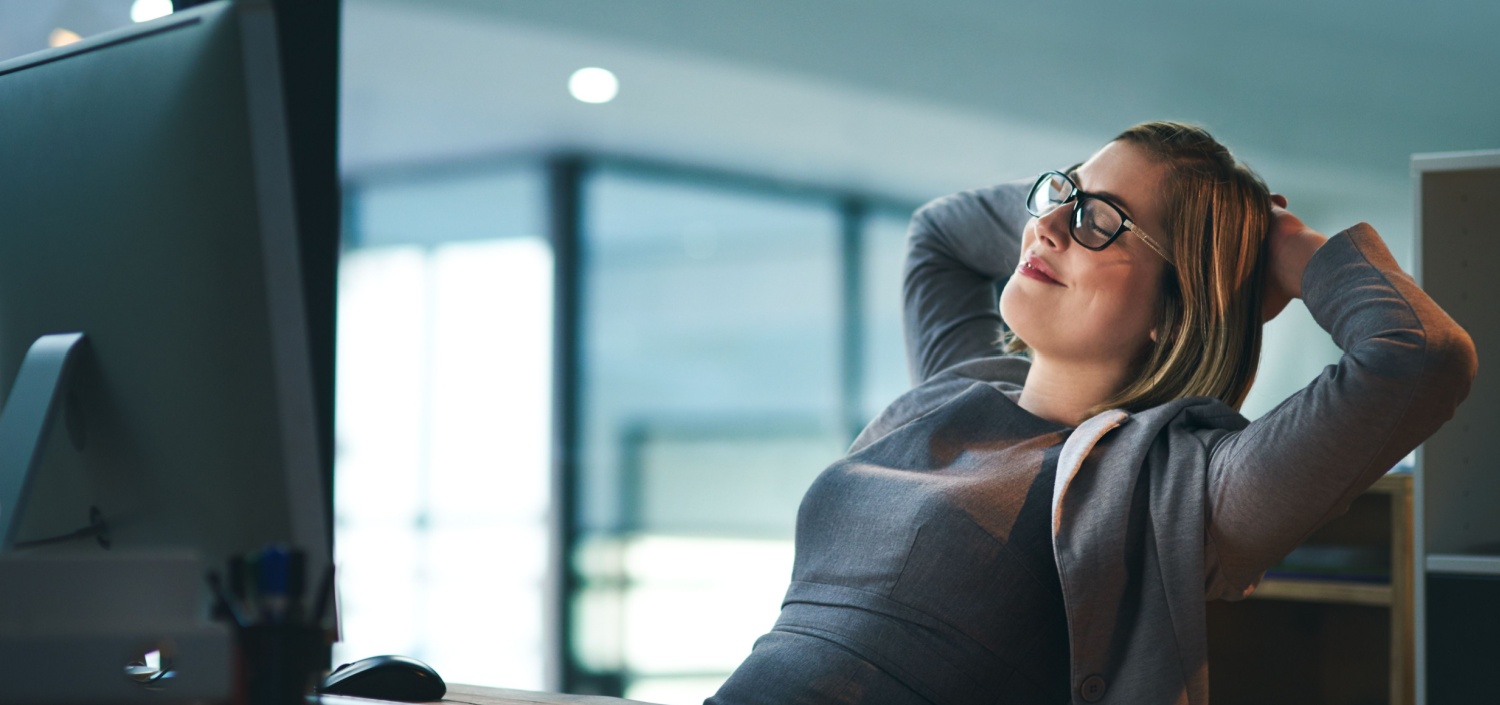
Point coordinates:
pixel 1093 222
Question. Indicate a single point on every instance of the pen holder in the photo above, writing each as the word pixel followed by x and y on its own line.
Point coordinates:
pixel 279 661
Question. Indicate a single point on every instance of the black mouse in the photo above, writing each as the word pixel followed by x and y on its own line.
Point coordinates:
pixel 386 678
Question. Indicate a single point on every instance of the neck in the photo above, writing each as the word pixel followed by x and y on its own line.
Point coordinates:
pixel 1064 391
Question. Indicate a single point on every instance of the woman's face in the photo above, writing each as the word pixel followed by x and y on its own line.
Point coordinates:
pixel 1072 304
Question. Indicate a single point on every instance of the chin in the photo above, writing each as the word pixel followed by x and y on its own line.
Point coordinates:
pixel 1017 312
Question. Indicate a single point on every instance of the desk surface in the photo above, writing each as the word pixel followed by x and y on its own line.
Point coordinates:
pixel 478 695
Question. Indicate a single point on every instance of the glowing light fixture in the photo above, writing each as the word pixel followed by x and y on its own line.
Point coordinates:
pixel 146 10
pixel 62 37
pixel 594 85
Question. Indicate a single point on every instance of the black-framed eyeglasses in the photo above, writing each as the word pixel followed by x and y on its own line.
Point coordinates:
pixel 1096 222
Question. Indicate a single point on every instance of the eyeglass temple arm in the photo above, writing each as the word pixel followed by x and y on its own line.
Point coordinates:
pixel 1130 225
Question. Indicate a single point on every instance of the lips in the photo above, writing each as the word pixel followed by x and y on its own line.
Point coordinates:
pixel 1034 267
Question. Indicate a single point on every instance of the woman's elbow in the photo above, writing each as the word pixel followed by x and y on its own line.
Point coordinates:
pixel 1427 370
pixel 1454 361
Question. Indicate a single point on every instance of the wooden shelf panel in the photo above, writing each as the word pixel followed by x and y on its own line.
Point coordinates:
pixel 1393 482
pixel 1333 591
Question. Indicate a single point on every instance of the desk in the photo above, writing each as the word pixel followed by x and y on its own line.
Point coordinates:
pixel 478 695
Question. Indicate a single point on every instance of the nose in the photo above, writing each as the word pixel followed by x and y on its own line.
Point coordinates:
pixel 1052 228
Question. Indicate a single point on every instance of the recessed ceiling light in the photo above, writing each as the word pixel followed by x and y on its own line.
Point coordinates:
pixel 594 85
pixel 147 10
pixel 62 37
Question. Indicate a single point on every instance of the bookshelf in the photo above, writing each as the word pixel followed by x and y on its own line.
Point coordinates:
pixel 1457 524
pixel 1333 640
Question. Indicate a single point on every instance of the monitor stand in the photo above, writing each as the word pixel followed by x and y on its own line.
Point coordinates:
pixel 26 420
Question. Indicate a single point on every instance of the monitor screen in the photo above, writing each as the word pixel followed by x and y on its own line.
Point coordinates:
pixel 146 203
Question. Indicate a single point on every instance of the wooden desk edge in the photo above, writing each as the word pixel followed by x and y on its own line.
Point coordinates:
pixel 460 694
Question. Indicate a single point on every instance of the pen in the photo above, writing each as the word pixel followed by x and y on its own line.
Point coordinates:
pixel 273 567
pixel 254 606
pixel 223 604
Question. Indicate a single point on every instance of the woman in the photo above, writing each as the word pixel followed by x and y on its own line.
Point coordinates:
pixel 1048 530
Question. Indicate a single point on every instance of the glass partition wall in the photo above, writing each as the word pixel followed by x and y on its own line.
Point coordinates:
pixel 442 432
pixel 710 398
pixel 881 346
pixel 726 338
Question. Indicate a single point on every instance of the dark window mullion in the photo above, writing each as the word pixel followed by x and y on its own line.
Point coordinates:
pixel 852 212
pixel 565 219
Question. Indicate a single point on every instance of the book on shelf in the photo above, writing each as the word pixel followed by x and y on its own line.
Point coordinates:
pixel 1345 563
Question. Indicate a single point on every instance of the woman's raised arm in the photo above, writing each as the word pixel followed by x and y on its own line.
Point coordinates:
pixel 1406 366
pixel 959 246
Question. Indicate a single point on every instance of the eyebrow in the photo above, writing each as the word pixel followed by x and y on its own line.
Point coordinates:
pixel 1072 173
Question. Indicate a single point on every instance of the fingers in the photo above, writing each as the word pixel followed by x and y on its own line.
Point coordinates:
pixel 1284 221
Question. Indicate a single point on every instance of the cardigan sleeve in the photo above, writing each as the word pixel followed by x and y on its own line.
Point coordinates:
pixel 959 247
pixel 1406 366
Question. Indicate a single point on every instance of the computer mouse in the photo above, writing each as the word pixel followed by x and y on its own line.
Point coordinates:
pixel 386 678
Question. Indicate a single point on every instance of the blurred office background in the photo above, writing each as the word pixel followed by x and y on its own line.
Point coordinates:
pixel 590 353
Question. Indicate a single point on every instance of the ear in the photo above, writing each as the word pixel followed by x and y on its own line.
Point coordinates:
pixel 1152 334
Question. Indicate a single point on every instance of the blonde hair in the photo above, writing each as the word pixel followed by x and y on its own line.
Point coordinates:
pixel 1208 326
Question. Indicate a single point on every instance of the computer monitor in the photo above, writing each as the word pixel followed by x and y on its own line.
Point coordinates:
pixel 146 204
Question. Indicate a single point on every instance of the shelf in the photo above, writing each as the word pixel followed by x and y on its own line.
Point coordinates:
pixel 1326 636
pixel 1331 591
pixel 1464 564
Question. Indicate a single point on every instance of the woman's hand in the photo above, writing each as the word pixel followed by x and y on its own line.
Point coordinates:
pixel 1290 245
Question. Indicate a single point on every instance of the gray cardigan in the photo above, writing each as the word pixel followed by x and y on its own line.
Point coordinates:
pixel 1221 499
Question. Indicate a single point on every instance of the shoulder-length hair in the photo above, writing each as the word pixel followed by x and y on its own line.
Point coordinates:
pixel 1208 326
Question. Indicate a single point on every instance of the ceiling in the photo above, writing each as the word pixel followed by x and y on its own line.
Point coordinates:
pixel 1357 82
pixel 1326 99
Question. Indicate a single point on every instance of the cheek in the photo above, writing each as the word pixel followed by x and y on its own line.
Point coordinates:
pixel 1109 320
pixel 1129 309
